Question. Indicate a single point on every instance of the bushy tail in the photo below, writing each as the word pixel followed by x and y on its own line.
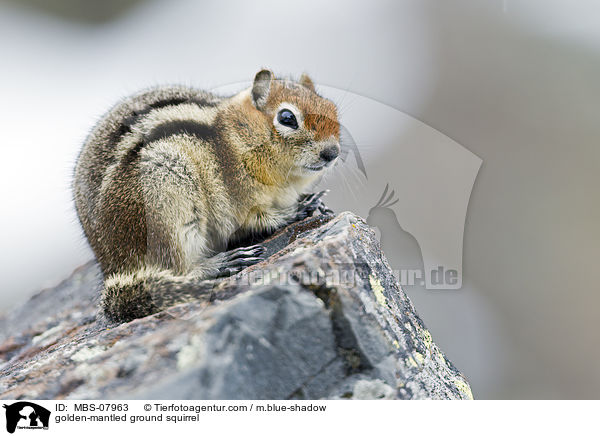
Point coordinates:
pixel 149 290
pixel 127 296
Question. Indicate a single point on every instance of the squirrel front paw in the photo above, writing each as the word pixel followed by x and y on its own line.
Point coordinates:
pixel 309 203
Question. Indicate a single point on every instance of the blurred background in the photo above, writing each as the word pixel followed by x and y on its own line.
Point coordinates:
pixel 514 82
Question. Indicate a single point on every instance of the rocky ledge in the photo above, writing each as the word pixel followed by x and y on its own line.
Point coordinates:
pixel 321 318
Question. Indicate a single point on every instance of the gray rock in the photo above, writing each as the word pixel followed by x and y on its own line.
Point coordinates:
pixel 322 317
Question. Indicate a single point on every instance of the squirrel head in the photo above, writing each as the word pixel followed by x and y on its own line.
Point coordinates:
pixel 300 129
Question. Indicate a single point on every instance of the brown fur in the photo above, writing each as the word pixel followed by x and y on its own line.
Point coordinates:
pixel 169 176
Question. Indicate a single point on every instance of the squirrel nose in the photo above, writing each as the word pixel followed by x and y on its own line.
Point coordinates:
pixel 329 154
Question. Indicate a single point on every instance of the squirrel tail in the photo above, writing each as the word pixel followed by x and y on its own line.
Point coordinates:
pixel 127 296
pixel 148 290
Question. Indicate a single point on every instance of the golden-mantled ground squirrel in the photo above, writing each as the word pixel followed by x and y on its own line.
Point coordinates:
pixel 171 176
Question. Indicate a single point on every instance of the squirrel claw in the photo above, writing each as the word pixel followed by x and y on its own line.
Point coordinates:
pixel 309 203
pixel 325 210
pixel 244 252
pixel 234 261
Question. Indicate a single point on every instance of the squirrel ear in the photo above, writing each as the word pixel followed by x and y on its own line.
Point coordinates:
pixel 261 88
pixel 307 82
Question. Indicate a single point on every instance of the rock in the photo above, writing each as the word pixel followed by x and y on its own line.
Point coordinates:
pixel 322 317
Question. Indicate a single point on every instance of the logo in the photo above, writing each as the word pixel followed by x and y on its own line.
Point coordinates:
pixel 26 415
pixel 411 182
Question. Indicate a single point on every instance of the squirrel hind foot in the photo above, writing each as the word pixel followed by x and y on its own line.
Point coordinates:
pixel 233 261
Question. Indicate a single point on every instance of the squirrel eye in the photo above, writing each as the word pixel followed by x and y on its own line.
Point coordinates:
pixel 287 118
